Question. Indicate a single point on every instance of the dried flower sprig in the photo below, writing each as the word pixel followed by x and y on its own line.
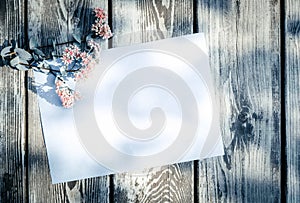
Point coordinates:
pixel 100 26
pixel 77 60
pixel 66 94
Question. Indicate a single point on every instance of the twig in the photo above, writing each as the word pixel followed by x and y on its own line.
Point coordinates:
pixel 49 69
pixel 58 44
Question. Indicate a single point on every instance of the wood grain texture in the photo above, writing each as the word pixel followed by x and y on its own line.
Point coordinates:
pixel 12 109
pixel 292 94
pixel 171 183
pixel 141 21
pixel 47 20
pixel 244 44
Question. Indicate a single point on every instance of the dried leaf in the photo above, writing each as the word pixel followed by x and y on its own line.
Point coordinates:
pixel 23 54
pixel 38 52
pixel 88 37
pixel 6 51
pixel 35 57
pixel 21 64
pixel 5 43
pixel 22 61
pixel 77 37
pixel 15 61
pixel 32 43
pixel 13 43
pixel 54 43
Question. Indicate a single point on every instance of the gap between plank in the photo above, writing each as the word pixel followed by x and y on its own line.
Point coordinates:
pixel 283 157
pixel 109 13
pixel 196 181
pixel 111 188
pixel 111 177
pixel 26 158
pixel 195 16
pixel 26 145
pixel 196 163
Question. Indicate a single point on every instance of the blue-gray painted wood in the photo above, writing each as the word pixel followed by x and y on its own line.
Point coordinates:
pixel 244 43
pixel 292 95
pixel 12 109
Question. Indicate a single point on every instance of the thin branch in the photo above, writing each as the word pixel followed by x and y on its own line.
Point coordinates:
pixel 49 69
pixel 58 44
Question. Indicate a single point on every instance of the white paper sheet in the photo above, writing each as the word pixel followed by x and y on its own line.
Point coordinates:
pixel 143 106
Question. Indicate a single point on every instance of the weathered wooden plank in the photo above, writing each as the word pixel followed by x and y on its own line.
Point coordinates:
pixel 244 44
pixel 292 93
pixel 141 21
pixel 12 110
pixel 48 19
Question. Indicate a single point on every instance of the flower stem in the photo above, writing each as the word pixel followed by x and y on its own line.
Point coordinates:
pixel 49 69
pixel 58 44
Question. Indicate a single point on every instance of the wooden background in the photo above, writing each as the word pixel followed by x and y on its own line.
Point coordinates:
pixel 254 48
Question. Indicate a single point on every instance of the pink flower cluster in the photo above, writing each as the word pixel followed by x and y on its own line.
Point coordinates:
pixel 67 96
pixel 100 26
pixel 72 53
pixel 84 72
pixel 100 13
pixel 94 45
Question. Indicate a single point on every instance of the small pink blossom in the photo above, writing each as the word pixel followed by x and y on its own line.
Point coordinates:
pixel 59 82
pixel 76 52
pixel 103 30
pixel 91 65
pixel 85 58
pixel 100 13
pixel 100 26
pixel 94 45
pixel 67 96
pixel 67 59
pixel 69 54
pixel 78 76
pixel 73 53
pixel 81 63
pixel 85 71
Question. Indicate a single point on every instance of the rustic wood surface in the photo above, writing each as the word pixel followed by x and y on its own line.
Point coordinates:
pixel 244 44
pixel 292 94
pixel 47 20
pixel 142 21
pixel 12 110
pixel 249 45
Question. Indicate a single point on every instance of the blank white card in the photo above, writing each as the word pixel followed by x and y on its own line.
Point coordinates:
pixel 143 106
